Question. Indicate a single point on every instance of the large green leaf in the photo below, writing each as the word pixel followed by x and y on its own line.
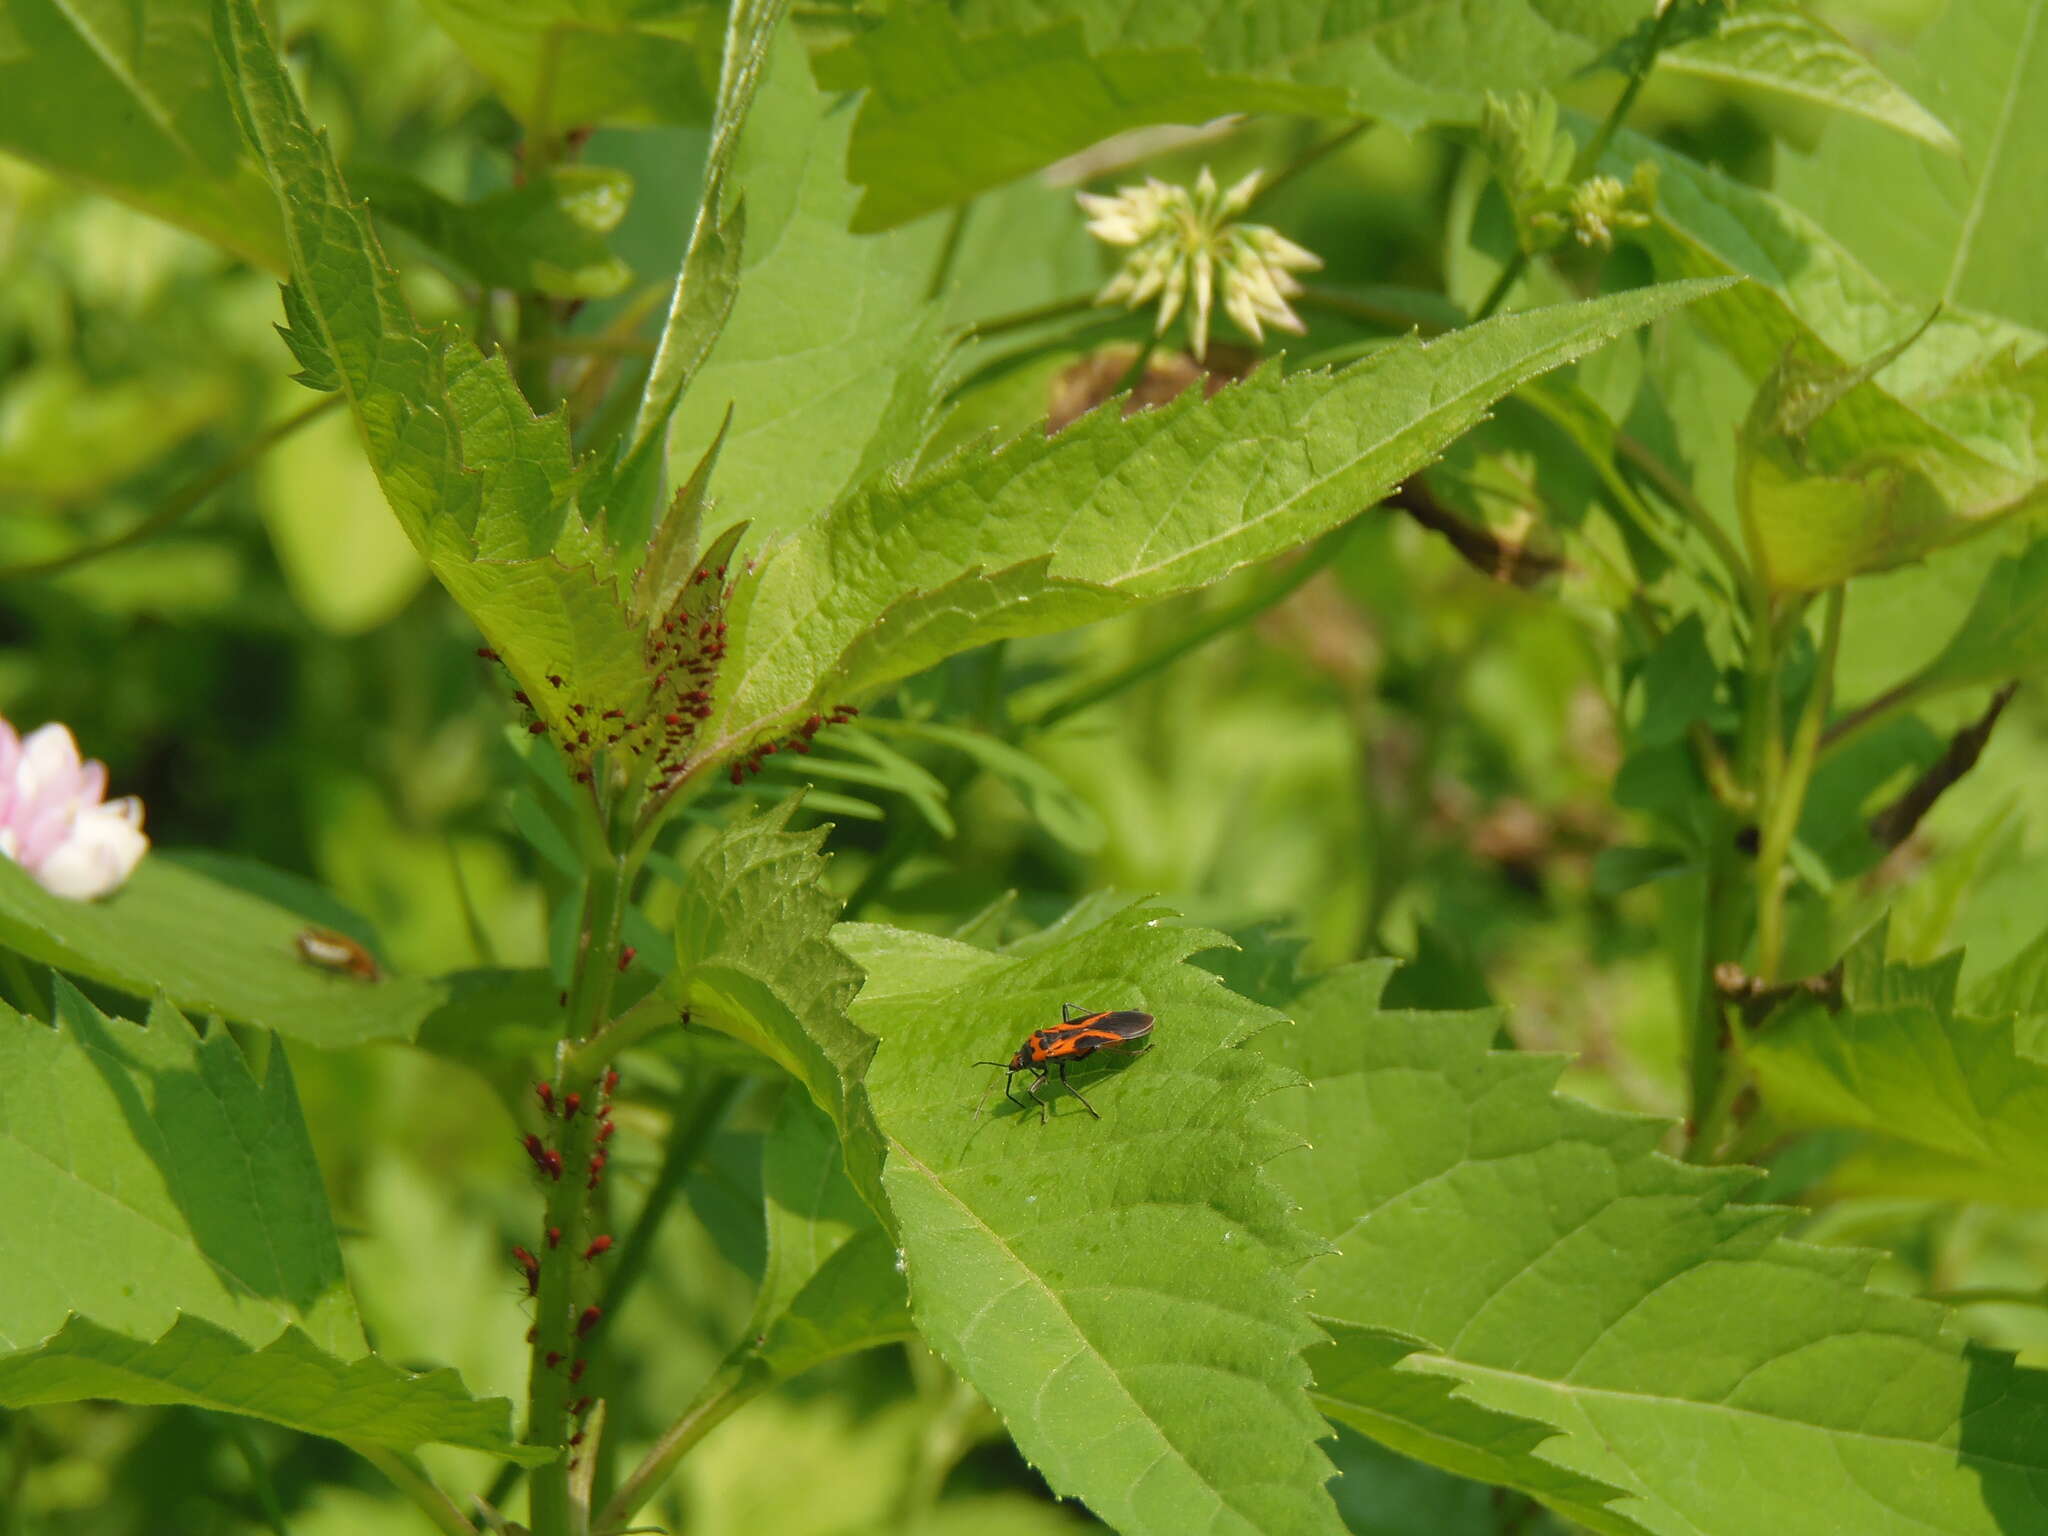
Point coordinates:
pixel 1788 53
pixel 560 64
pixel 947 115
pixel 165 1238
pixel 1964 229
pixel 1900 1058
pixel 1045 533
pixel 827 358
pixel 363 1402
pixel 2005 633
pixel 1120 1289
pixel 212 947
pixel 1565 1272
pixel 124 96
pixel 1945 441
pixel 753 959
pixel 831 1284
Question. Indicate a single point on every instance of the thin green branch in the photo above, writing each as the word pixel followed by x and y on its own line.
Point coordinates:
pixel 1275 590
pixel 412 1480
pixel 182 501
pixel 259 1472
pixel 1786 797
pixel 688 1137
pixel 1301 162
pixel 738 1381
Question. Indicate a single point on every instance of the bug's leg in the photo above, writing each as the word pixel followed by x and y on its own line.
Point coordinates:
pixel 1007 1080
pixel 1037 1083
pixel 1075 1091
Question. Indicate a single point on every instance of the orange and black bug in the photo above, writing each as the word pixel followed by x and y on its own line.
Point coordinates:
pixel 1080 1033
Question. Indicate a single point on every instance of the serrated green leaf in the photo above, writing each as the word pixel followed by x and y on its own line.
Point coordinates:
pixel 2005 634
pixel 546 235
pixel 1565 1272
pixel 1120 1290
pixel 210 947
pixel 828 357
pixel 1130 510
pixel 1962 229
pixel 290 1381
pixel 135 1153
pixel 957 105
pixel 76 68
pixel 165 1238
pixel 1937 450
pixel 753 960
pixel 1788 53
pixel 1901 1059
pixel 1360 1382
pixel 831 1285
pixel 483 487
pixel 561 63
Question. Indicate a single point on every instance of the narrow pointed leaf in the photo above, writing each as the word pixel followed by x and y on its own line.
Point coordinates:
pixel 1048 532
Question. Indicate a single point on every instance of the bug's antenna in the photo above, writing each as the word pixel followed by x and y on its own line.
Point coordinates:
pixel 991 1088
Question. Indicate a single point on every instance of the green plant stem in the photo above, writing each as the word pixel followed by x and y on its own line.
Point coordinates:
pixel 692 1131
pixel 1867 714
pixel 1366 312
pixel 2000 1295
pixel 738 1381
pixel 1301 162
pixel 568 1197
pixel 947 1435
pixel 1509 276
pixel 1274 591
pixel 1680 495
pixel 1588 157
pixel 1786 798
pixel 259 1473
pixel 1708 1093
pixel 182 501
pixel 411 1479
pixel 1016 320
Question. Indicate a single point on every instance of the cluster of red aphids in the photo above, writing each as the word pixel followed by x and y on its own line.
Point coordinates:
pixel 798 741
pixel 682 652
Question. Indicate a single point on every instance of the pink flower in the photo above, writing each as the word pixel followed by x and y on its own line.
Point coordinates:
pixel 53 821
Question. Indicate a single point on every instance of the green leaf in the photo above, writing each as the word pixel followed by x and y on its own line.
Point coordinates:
pixel 1900 1059
pixel 483 488
pixel 1565 1272
pixel 827 359
pixel 1360 1382
pixel 134 1152
pixel 1962 229
pixel 1788 53
pixel 753 959
pixel 2005 634
pixel 547 235
pixel 165 1238
pixel 958 104
pixel 291 1381
pixel 1052 801
pixel 1939 448
pixel 1135 509
pixel 123 95
pixel 562 63
pixel 211 947
pixel 831 1285
pixel 1121 1290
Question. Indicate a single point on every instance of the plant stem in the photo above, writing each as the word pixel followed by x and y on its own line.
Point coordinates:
pixel 556 1340
pixel 1303 161
pixel 1721 933
pixel 186 499
pixel 411 1479
pixel 259 1474
pixel 1016 320
pixel 948 1433
pixel 687 1140
pixel 1588 157
pixel 738 1381
pixel 1786 798
pixel 1275 590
